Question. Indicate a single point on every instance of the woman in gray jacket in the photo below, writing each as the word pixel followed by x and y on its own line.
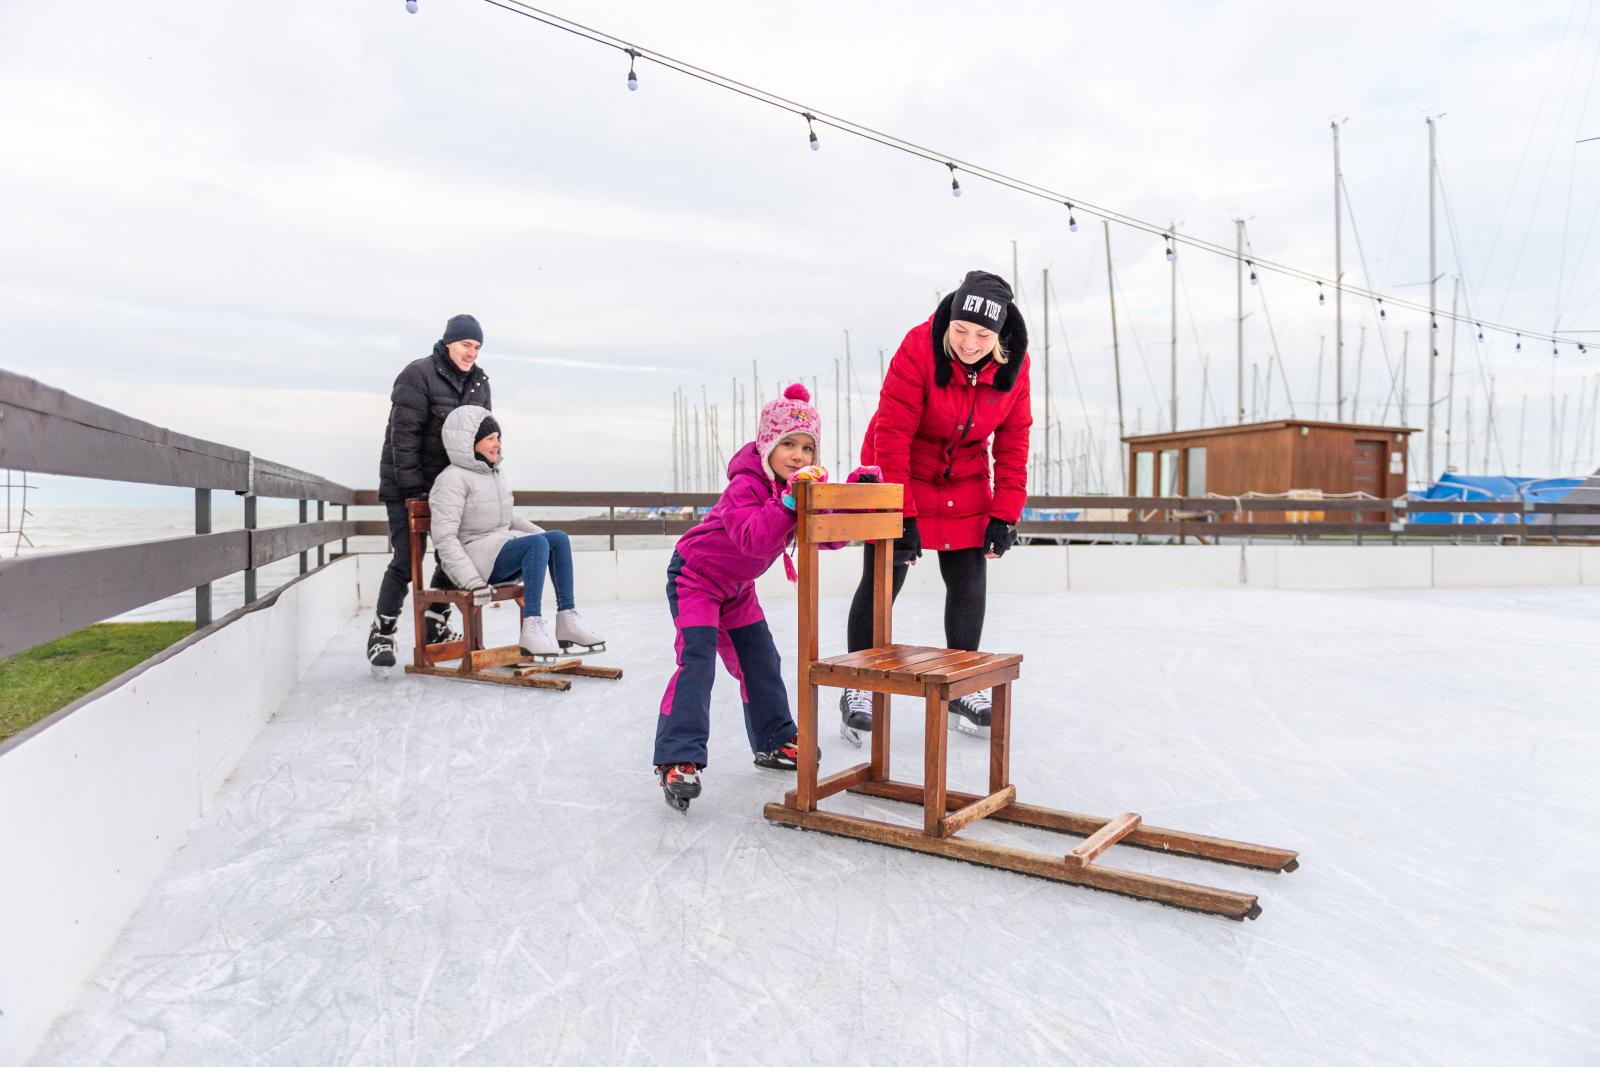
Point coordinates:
pixel 476 536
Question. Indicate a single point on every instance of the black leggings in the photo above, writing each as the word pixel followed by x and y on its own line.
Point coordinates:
pixel 965 573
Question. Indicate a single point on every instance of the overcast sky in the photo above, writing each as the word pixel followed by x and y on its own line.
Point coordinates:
pixel 240 221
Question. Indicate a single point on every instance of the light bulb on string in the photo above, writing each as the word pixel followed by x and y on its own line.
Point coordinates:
pixel 633 79
pixel 1171 255
pixel 1519 342
pixel 1479 325
pixel 1322 298
pixel 1435 323
pixel 1382 314
pixel 814 142
pixel 1072 220
pixel 955 186
pixel 1252 267
pixel 411 6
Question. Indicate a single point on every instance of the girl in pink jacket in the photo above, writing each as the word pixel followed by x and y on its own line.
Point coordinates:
pixel 711 593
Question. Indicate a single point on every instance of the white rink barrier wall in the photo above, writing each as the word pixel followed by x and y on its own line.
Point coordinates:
pixel 641 574
pixel 93 804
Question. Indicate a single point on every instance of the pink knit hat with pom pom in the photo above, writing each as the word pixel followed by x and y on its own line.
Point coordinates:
pixel 791 413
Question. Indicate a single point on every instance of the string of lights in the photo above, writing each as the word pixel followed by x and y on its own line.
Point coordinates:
pixel 958 167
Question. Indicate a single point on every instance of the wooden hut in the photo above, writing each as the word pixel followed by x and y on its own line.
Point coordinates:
pixel 1270 457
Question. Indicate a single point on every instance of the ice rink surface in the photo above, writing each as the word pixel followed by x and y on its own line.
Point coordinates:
pixel 421 871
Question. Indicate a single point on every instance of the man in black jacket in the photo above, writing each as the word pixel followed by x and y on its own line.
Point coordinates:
pixel 424 394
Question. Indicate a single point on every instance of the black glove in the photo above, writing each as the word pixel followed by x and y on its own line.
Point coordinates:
pixel 908 546
pixel 867 478
pixel 998 537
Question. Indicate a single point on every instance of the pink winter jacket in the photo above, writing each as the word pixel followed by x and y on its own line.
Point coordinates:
pixel 748 528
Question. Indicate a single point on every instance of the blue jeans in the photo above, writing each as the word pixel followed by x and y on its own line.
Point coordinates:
pixel 527 558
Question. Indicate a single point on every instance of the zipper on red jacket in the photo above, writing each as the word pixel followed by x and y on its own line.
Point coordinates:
pixel 972 413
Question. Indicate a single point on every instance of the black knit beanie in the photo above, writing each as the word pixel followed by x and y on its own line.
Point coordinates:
pixel 485 428
pixel 462 328
pixel 982 298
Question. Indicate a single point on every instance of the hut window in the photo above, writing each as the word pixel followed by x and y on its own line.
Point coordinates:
pixel 1196 460
pixel 1169 472
pixel 1144 464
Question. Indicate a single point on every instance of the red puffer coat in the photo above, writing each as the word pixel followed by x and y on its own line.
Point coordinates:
pixel 933 428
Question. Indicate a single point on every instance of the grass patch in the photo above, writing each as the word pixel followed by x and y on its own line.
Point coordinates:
pixel 51 676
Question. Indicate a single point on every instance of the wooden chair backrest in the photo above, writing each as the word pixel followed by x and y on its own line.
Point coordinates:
pixel 847 511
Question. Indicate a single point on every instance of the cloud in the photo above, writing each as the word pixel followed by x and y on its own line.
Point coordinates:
pixel 226 210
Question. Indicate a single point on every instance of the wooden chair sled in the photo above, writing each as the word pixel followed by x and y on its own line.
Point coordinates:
pixel 504 664
pixel 871 513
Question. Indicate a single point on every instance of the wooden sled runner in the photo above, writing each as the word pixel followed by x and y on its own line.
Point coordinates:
pixel 504 664
pixel 871 513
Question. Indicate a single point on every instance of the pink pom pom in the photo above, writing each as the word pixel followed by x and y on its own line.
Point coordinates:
pixel 798 391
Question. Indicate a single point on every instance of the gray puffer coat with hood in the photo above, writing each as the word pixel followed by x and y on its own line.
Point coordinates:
pixel 471 505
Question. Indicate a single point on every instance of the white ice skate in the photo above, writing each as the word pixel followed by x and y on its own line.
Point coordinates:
pixel 536 642
pixel 855 713
pixel 970 714
pixel 574 637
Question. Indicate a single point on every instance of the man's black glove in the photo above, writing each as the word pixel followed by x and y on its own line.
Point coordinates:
pixel 998 537
pixel 867 477
pixel 908 546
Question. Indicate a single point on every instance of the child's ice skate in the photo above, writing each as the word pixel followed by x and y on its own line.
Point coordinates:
pixel 574 637
pixel 970 714
pixel 786 757
pixel 536 642
pixel 855 711
pixel 380 644
pixel 680 783
pixel 436 621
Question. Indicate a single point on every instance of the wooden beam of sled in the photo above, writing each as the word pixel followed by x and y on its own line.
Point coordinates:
pixel 532 681
pixel 963 817
pixel 1102 839
pixel 835 783
pixel 570 666
pixel 1155 838
pixel 1201 898
pixel 502 656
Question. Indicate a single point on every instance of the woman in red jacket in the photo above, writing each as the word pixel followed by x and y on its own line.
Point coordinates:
pixel 955 392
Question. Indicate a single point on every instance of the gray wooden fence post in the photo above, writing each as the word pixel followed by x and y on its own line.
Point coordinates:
pixel 303 567
pixel 250 571
pixel 321 549
pixel 202 525
pixel 344 516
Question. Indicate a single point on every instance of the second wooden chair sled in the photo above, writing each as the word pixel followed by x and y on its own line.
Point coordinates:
pixel 503 664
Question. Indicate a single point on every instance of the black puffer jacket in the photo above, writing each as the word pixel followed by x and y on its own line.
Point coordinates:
pixel 424 395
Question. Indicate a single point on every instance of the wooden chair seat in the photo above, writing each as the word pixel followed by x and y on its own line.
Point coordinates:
pixel 913 665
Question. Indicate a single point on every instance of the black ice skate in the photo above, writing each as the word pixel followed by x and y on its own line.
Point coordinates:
pixel 970 714
pixel 437 621
pixel 680 783
pixel 855 713
pixel 380 644
pixel 786 757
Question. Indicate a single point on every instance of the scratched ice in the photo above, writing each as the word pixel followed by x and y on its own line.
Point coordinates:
pixel 422 871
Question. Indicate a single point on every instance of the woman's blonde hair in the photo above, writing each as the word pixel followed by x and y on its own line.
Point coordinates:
pixel 1000 354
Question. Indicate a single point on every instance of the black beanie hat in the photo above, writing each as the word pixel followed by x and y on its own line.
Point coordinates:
pixel 462 328
pixel 485 428
pixel 982 298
